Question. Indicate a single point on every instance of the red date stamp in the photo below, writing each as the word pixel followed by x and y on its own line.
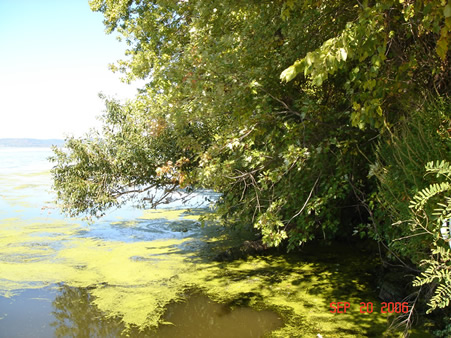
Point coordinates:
pixel 368 307
pixel 339 307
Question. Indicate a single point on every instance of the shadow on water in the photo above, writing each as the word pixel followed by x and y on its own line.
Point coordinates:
pixel 315 277
pixel 76 315
pixel 200 317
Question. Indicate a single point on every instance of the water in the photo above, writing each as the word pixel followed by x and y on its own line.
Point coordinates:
pixel 69 312
pixel 64 277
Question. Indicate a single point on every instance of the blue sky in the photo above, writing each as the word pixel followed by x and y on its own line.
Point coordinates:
pixel 54 58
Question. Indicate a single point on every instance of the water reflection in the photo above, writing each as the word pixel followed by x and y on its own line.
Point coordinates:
pixel 76 315
pixel 200 317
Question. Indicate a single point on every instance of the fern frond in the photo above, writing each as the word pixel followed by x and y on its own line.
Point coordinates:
pixel 441 298
pixel 438 271
pixel 424 195
pixel 443 212
pixel 439 168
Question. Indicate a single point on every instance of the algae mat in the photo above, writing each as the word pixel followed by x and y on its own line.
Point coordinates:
pixel 136 280
pixel 132 266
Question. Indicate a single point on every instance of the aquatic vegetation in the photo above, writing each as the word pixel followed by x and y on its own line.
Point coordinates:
pixel 136 278
pixel 162 213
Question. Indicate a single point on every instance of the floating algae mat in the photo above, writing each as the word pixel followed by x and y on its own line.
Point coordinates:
pixel 128 284
pixel 153 274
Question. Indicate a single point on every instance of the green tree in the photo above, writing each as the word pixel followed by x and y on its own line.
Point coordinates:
pixel 290 158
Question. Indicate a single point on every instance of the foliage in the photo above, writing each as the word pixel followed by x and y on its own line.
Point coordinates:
pixel 377 57
pixel 131 155
pixel 446 331
pixel 402 156
pixel 287 157
pixel 293 150
pixel 438 271
pixel 438 275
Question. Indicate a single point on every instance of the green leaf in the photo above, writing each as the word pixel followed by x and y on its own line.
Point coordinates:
pixel 447 11
pixel 288 74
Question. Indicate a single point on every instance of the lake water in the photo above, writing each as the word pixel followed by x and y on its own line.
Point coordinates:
pixel 152 273
pixel 120 275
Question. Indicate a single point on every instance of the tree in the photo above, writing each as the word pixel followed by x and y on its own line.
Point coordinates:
pixel 290 158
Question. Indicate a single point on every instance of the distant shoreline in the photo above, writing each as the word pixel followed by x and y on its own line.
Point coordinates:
pixel 30 142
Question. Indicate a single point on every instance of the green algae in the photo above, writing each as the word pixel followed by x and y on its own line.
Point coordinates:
pixel 27 186
pixel 136 281
pixel 168 214
pixel 40 174
pixel 302 290
pixel 18 201
pixel 133 280
pixel 75 315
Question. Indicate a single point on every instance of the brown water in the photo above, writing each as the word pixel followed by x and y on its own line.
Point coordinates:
pixel 200 317
pixel 70 312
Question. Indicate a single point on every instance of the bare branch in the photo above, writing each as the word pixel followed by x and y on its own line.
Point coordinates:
pixel 306 201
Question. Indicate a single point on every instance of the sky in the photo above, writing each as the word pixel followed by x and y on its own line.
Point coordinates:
pixel 54 57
